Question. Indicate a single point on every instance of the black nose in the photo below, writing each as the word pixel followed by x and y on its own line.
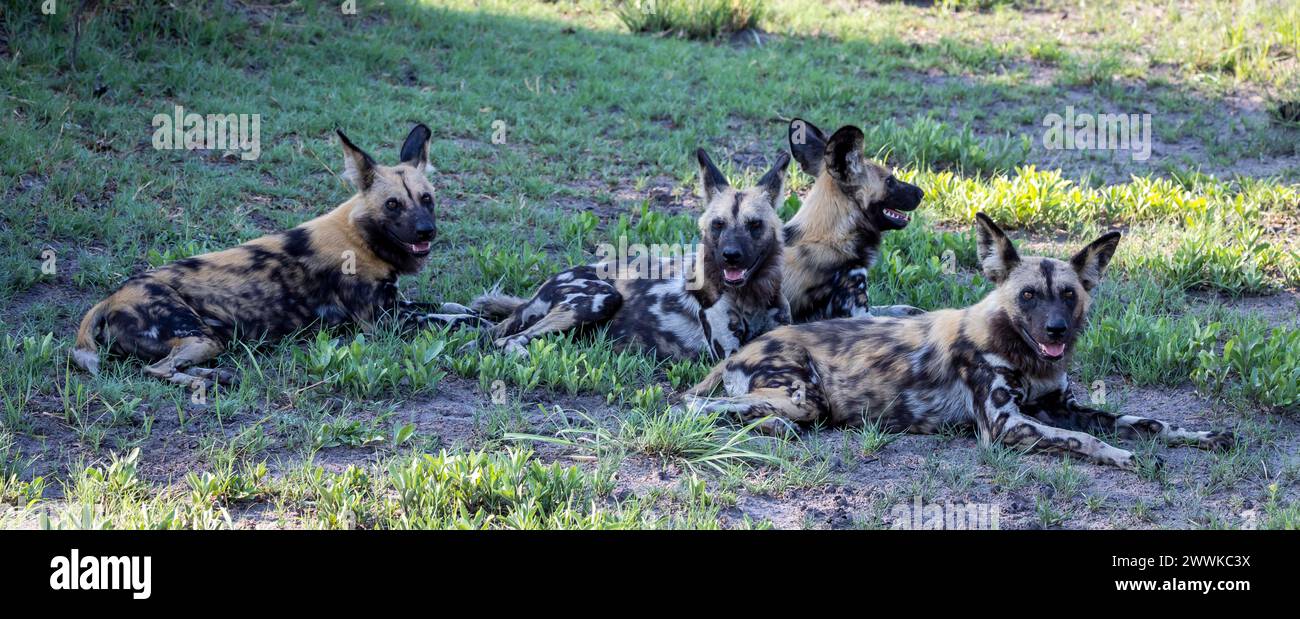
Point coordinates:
pixel 426 230
pixel 732 255
pixel 1056 328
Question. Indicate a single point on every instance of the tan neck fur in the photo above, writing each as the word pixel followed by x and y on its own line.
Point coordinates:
pixel 828 216
pixel 336 232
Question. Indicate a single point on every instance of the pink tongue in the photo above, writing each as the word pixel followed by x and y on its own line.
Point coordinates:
pixel 1053 350
pixel 733 274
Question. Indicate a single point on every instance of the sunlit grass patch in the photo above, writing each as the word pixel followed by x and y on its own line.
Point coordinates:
pixel 696 19
pixel 599 120
pixel 698 442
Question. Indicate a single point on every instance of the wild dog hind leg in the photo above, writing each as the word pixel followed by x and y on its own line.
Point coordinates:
pixel 782 390
pixel 152 321
pixel 570 299
pixel 176 367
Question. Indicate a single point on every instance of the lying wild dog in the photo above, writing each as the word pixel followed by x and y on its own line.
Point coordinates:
pixel 338 268
pixel 999 364
pixel 835 237
pixel 713 301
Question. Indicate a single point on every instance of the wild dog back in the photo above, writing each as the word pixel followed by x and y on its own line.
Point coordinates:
pixel 340 267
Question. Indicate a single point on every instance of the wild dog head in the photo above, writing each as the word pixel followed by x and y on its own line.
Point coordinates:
pixel 883 200
pixel 740 229
pixel 1042 302
pixel 395 210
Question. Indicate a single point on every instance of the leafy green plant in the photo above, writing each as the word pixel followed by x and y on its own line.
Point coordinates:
pixel 580 227
pixel 492 490
pixel 571 363
pixel 421 362
pixel 518 268
pixel 225 485
pixel 1260 364
pixel 653 227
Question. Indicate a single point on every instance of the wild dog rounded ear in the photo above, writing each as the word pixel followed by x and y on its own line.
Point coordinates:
pixel 996 253
pixel 1091 261
pixel 808 145
pixel 773 183
pixel 844 154
pixel 415 150
pixel 711 179
pixel 358 165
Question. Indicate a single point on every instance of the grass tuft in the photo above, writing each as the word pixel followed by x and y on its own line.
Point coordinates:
pixel 693 19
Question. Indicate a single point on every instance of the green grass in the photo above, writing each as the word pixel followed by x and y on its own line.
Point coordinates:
pixel 603 105
pixel 697 19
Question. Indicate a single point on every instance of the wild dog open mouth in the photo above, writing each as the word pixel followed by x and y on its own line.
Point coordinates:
pixel 420 248
pixel 897 216
pixel 1051 352
pixel 734 276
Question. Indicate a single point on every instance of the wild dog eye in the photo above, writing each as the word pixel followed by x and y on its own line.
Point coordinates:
pixel 426 199
pixel 755 226
pixel 1027 294
pixel 1067 294
pixel 718 225
pixel 392 204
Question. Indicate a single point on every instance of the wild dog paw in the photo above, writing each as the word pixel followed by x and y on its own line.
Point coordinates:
pixel 895 311
pixel 1146 465
pixel 223 377
pixel 469 347
pixel 777 426
pixel 1218 440
pixel 455 308
pixel 513 346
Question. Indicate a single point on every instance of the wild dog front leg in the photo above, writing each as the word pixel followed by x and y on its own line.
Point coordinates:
pixel 849 294
pixel 1062 409
pixel 435 308
pixel 416 315
pixel 568 300
pixel 996 404
pixel 850 298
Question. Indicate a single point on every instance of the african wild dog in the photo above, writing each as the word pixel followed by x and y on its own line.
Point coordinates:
pixel 1000 364
pixel 835 237
pixel 712 301
pixel 338 268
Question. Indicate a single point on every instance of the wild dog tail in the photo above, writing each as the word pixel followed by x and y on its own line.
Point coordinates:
pixel 495 306
pixel 85 353
pixel 710 382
